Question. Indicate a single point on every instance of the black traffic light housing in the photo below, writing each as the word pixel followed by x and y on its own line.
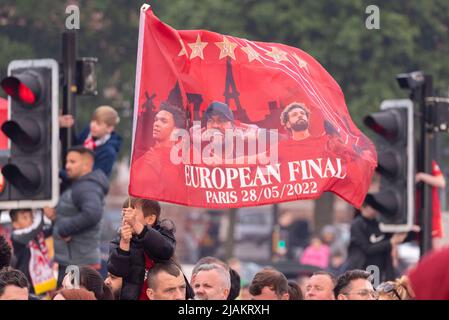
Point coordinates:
pixel 31 173
pixel 395 200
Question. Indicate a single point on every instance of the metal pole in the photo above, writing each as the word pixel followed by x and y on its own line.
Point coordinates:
pixel 69 52
pixel 426 166
pixel 230 242
pixel 275 233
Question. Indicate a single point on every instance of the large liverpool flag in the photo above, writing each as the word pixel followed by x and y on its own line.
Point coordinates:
pixel 221 121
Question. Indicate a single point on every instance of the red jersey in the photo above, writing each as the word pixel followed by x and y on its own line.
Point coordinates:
pixel 143 292
pixel 437 225
pixel 158 177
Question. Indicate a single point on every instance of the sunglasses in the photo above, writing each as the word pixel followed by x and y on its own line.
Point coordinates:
pixel 387 288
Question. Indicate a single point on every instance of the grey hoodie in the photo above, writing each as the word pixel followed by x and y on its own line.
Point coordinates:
pixel 78 215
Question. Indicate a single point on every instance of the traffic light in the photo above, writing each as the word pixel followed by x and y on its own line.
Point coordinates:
pixel 279 242
pixel 395 200
pixel 31 173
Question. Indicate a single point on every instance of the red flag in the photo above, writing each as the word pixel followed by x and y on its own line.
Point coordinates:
pixel 221 121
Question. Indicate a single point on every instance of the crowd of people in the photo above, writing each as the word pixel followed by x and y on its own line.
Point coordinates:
pixel 142 264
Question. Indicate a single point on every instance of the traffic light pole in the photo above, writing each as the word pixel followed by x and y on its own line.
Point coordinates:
pixel 69 88
pixel 425 165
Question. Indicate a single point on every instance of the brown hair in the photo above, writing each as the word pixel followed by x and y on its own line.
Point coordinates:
pixel 294 291
pixel 15 212
pixel 178 115
pixel 394 290
pixel 12 277
pixel 269 277
pixel 75 294
pixel 107 115
pixel 346 278
pixel 92 281
pixel 149 207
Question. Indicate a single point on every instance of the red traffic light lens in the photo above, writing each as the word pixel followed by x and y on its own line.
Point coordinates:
pixel 17 90
pixel 25 94
pixel 25 87
pixel 387 123
pixel 377 128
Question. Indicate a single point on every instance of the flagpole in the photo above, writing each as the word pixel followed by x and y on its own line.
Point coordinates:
pixel 143 9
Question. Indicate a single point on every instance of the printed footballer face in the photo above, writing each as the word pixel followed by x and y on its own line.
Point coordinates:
pixel 298 120
pixel 163 126
pixel 219 123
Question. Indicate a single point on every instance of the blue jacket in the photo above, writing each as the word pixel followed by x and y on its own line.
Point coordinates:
pixel 106 154
pixel 78 215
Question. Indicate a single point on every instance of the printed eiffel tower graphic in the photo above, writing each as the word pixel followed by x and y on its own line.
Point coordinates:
pixel 232 93
pixel 174 97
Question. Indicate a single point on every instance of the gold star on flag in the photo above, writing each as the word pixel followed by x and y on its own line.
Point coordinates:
pixel 197 48
pixel 183 50
pixel 301 62
pixel 226 48
pixel 277 54
pixel 251 53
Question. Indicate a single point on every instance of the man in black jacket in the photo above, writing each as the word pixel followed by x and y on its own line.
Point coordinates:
pixel 371 247
pixel 143 241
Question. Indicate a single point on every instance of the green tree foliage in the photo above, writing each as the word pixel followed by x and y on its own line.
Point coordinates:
pixel 412 35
